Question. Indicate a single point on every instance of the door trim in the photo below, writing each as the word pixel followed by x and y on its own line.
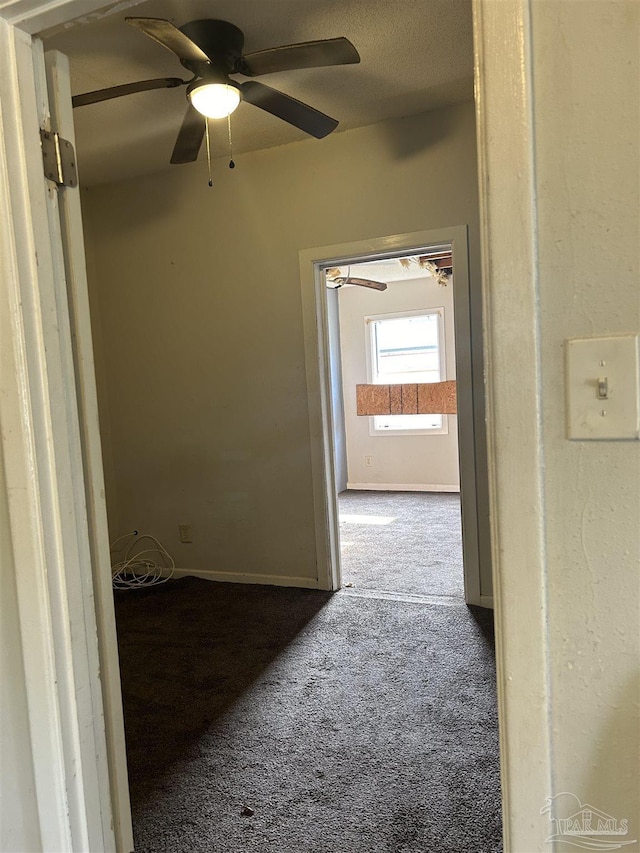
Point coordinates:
pixel 44 483
pixel 90 476
pixel 78 804
pixel 321 423
pixel 508 230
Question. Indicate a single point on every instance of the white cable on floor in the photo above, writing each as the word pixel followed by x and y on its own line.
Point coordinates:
pixel 134 571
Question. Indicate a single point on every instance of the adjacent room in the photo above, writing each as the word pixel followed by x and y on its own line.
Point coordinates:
pixel 398 475
pixel 266 706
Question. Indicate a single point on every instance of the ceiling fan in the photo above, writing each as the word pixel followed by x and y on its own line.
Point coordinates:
pixel 212 50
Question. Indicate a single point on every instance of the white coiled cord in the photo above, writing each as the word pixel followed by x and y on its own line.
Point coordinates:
pixel 136 569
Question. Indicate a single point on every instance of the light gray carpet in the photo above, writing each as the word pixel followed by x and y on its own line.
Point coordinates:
pixel 418 552
pixel 348 725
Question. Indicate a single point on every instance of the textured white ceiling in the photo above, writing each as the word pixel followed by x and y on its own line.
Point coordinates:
pixel 416 55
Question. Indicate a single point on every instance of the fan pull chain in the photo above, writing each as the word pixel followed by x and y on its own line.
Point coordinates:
pixel 232 165
pixel 206 126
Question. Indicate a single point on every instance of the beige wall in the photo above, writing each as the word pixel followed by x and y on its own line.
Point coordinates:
pixel 411 460
pixel 198 296
pixel 587 135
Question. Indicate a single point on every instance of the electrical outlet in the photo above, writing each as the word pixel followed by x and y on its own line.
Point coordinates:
pixel 368 461
pixel 185 533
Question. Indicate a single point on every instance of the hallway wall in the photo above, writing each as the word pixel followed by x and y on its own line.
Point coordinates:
pixel 588 181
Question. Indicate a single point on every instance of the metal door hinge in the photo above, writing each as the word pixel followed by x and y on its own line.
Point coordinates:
pixel 59 159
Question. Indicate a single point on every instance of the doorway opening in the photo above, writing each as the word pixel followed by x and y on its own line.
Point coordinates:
pixel 447 354
pixel 391 322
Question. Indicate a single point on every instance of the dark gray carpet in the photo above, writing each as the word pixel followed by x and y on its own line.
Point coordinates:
pixel 348 724
pixel 419 552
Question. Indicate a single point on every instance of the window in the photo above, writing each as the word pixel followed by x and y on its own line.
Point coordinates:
pixel 407 347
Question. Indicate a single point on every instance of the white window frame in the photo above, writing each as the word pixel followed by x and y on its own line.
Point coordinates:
pixel 370 350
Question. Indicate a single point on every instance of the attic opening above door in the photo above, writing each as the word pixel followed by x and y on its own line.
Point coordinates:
pixel 437 264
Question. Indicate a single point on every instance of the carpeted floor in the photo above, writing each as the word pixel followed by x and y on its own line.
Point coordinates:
pixel 347 724
pixel 406 542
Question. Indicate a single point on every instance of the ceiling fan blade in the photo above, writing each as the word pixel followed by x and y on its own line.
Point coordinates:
pixel 308 54
pixel 170 37
pixel 127 89
pixel 361 282
pixel 189 139
pixel 289 109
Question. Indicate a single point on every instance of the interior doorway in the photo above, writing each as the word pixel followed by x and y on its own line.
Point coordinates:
pixel 329 405
pixel 391 321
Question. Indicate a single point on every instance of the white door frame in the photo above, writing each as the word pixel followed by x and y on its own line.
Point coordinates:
pixel 53 474
pixel 89 478
pixel 30 432
pixel 321 417
pixel 508 226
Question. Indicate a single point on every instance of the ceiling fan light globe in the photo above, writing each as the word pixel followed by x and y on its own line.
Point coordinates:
pixel 215 100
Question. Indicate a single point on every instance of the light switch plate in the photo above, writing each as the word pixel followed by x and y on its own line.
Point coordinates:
pixel 603 388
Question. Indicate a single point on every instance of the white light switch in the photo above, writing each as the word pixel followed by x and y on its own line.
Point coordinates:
pixel 603 388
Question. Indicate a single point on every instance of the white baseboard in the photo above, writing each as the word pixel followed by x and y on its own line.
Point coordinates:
pixel 237 577
pixel 402 487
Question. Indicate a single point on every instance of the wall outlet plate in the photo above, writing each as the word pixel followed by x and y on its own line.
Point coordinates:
pixel 185 533
pixel 603 388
